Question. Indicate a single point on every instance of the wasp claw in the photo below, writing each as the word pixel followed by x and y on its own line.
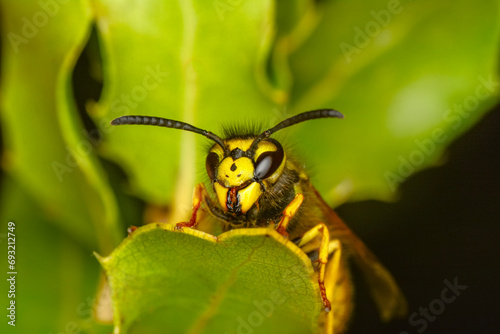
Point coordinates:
pixel 179 226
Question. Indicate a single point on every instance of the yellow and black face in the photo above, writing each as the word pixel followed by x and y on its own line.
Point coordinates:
pixel 240 168
pixel 241 172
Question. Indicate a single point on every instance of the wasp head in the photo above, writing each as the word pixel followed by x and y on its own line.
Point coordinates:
pixel 241 171
pixel 239 168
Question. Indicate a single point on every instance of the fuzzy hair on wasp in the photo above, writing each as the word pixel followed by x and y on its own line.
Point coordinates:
pixel 255 182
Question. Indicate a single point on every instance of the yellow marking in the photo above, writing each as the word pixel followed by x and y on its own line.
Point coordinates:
pixel 242 144
pixel 324 250
pixel 289 212
pixel 244 167
pixel 218 150
pixel 298 188
pixel 334 247
pixel 325 247
pixel 221 195
pixel 249 195
pixel 243 172
pixel 264 146
pixel 274 177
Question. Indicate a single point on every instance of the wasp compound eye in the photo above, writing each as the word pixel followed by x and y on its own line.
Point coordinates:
pixel 211 165
pixel 268 163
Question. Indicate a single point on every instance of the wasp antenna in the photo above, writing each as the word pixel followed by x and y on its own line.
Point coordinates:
pixel 305 116
pixel 167 123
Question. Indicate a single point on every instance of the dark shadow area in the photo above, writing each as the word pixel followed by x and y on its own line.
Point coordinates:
pixel 444 227
pixel 87 80
pixel 88 84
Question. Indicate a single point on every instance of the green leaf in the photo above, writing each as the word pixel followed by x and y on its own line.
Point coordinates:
pixel 192 61
pixel 46 148
pixel 409 76
pixel 398 85
pixel 207 63
pixel 56 277
pixel 189 282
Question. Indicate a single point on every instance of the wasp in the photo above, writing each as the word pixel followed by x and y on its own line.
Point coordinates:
pixel 256 182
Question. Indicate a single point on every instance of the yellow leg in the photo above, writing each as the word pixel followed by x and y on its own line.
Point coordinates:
pixel 321 231
pixel 288 213
pixel 334 247
pixel 318 230
pixel 198 194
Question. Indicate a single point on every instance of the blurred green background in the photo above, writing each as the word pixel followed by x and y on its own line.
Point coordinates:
pixel 416 80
